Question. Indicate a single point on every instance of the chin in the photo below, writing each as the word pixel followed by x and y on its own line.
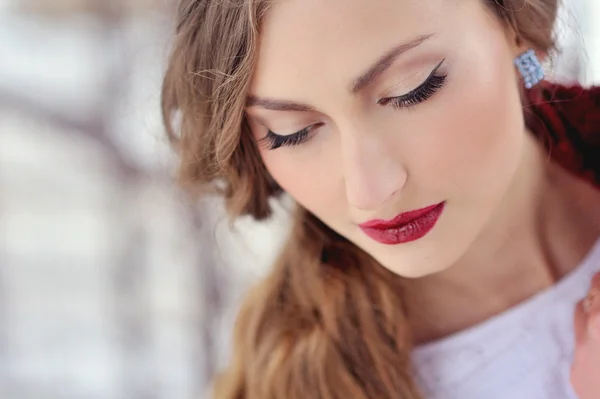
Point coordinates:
pixel 419 271
pixel 420 263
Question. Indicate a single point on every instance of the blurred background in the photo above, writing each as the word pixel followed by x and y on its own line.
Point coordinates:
pixel 112 285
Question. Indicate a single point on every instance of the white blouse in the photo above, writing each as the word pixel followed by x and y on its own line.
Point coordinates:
pixel 522 353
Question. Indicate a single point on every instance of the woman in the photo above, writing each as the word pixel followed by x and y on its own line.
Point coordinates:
pixel 447 221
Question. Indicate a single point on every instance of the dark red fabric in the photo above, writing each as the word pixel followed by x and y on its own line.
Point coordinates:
pixel 567 119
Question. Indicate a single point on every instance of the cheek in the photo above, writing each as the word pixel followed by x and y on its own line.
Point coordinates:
pixel 309 176
pixel 475 142
pixel 299 172
pixel 485 138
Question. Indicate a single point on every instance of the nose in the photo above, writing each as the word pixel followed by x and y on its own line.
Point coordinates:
pixel 372 172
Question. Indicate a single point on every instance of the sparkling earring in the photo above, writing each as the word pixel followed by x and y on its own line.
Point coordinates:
pixel 530 68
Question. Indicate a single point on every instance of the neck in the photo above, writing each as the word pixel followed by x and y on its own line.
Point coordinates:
pixel 542 230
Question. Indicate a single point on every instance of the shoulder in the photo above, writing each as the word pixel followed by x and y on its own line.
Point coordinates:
pixel 567 119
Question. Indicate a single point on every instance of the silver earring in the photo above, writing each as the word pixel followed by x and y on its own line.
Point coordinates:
pixel 530 68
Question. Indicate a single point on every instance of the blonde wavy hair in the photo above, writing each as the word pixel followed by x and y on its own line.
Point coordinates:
pixel 328 322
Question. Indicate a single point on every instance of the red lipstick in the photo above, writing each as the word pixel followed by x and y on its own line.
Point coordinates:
pixel 406 227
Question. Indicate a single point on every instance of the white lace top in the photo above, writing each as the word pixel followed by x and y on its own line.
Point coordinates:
pixel 523 353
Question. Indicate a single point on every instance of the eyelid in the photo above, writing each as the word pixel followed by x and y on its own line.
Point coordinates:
pixel 273 140
pixel 308 128
pixel 388 92
pixel 416 89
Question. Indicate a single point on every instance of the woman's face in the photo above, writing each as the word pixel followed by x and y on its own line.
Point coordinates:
pixel 367 110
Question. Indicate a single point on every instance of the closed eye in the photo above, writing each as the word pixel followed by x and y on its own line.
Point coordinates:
pixel 428 88
pixel 434 82
pixel 272 140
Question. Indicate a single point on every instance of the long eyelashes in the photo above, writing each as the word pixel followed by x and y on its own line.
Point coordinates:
pixel 428 88
pixel 273 141
pixel 425 91
pixel 417 96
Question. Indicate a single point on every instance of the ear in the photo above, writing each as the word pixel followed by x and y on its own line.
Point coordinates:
pixel 518 45
pixel 514 40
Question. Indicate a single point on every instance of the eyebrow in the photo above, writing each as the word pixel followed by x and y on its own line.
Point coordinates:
pixel 277 105
pixel 366 79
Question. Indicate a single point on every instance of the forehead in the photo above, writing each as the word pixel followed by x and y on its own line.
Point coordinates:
pixel 335 40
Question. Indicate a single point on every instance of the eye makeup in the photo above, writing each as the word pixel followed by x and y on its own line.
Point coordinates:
pixel 432 84
pixel 422 93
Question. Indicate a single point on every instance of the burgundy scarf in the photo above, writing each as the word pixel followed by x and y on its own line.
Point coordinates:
pixel 567 119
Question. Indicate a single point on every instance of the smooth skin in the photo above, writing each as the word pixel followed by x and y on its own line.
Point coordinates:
pixel 329 108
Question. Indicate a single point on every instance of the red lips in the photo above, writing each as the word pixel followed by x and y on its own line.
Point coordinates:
pixel 406 227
